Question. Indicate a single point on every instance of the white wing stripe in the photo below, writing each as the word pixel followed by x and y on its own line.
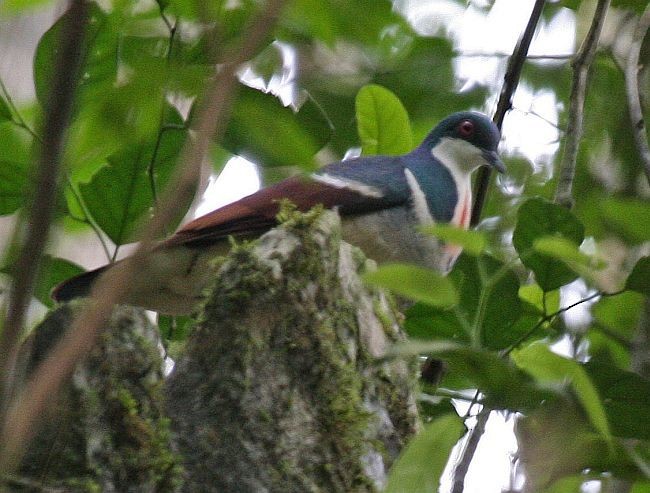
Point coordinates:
pixel 420 205
pixel 355 186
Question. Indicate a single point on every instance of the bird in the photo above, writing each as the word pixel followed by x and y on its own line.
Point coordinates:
pixel 382 201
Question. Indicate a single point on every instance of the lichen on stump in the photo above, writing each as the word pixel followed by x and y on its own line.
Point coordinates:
pixel 279 388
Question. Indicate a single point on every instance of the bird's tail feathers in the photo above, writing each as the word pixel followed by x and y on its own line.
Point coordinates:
pixel 76 287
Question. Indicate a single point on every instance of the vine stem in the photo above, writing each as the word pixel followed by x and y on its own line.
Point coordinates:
pixel 633 92
pixel 581 67
pixel 31 404
pixel 510 83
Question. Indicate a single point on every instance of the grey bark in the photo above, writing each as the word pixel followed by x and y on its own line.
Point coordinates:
pixel 281 385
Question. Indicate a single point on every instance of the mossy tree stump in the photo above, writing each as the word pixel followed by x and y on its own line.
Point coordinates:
pixel 280 386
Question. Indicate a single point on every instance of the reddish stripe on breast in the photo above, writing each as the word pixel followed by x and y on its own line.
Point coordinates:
pixel 463 209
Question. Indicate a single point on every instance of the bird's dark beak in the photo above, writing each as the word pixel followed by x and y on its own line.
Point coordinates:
pixel 492 158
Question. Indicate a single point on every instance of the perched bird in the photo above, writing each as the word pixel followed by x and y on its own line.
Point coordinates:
pixel 381 199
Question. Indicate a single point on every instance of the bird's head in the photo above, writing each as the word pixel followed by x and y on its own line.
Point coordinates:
pixel 465 141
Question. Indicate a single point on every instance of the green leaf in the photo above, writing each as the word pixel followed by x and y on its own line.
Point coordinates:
pixel 538 218
pixel 9 7
pixel 362 22
pixel 544 301
pixel 641 487
pixel 5 112
pixel 99 48
pixel 635 5
pixel 266 132
pixel 488 297
pixel 430 323
pixel 555 441
pixel 53 271
pixel 15 167
pixel 625 399
pixel 382 122
pixel 631 217
pixel 565 250
pixel 120 196
pixel 14 177
pixel 619 314
pixel 472 242
pixel 548 367
pixel 415 283
pixel 489 303
pixel 639 278
pixel 504 385
pixel 420 465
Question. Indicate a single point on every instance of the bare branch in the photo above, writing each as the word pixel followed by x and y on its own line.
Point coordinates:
pixel 32 243
pixel 633 94
pixel 110 289
pixel 581 65
pixel 510 83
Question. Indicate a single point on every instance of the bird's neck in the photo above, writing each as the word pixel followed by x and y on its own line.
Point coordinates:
pixel 461 159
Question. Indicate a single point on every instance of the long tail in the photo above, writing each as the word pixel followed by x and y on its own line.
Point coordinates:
pixel 77 286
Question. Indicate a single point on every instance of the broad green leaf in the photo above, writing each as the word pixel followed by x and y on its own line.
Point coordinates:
pixel 420 465
pixel 382 122
pixel 635 5
pixel 619 314
pixel 488 302
pixel 362 22
pixel 472 242
pixel 548 367
pixel 8 7
pixel 629 216
pixel 556 441
pixel 5 112
pixel 120 196
pixel 489 299
pixel 15 167
pixel 639 278
pixel 430 323
pixel 266 132
pixel 415 283
pixel 604 349
pixel 53 271
pixel 99 49
pixel 565 250
pixel 545 302
pixel 641 487
pixel 626 399
pixel 14 178
pixel 504 385
pixel 536 219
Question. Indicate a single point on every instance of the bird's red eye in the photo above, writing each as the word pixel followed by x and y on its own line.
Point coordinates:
pixel 466 128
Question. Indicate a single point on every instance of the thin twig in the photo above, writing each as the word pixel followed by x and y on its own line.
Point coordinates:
pixel 633 94
pixel 41 211
pixel 550 317
pixel 471 444
pixel 510 83
pixel 88 220
pixel 480 54
pixel 581 66
pixel 110 289
pixel 17 118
